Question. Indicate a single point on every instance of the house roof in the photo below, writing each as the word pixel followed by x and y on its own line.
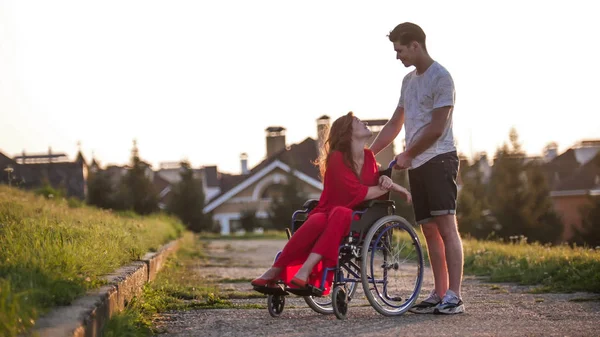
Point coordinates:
pixel 298 157
pixel 586 177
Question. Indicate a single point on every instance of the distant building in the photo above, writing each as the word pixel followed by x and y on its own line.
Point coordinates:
pixel 574 177
pixel 32 171
pixel 253 188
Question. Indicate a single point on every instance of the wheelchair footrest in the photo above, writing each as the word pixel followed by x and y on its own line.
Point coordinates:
pixel 308 291
pixel 276 291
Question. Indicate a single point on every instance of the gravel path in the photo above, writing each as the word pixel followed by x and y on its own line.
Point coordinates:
pixel 491 309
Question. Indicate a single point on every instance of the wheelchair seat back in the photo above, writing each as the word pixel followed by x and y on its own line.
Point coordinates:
pixel 373 211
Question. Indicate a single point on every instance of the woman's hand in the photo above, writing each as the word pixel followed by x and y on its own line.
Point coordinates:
pixel 404 192
pixel 385 183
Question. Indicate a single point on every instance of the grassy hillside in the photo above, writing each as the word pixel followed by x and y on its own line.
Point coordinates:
pixel 52 251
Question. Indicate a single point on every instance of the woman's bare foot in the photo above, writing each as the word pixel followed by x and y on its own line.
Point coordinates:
pixel 271 273
pixel 268 279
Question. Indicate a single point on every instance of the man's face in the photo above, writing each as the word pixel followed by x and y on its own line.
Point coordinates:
pixel 405 53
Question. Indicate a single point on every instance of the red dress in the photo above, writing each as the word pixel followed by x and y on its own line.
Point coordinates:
pixel 329 222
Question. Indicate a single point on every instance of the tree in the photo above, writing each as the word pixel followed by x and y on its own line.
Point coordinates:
pixel 519 196
pixel 589 234
pixel 249 220
pixel 543 224
pixel 138 192
pixel 100 190
pixel 289 198
pixel 473 215
pixel 187 201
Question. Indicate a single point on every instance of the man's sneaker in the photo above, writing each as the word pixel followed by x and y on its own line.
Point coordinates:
pixel 427 305
pixel 451 304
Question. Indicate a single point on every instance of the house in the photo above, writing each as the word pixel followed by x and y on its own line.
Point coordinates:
pixel 573 177
pixel 32 171
pixel 253 188
pixel 169 174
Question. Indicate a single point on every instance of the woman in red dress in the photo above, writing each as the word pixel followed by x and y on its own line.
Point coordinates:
pixel 350 176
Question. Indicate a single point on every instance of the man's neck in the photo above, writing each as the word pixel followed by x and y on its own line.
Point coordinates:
pixel 423 64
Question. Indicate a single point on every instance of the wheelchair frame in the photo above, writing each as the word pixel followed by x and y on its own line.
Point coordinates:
pixel 370 213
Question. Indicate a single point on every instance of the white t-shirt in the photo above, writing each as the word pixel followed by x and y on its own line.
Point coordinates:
pixel 420 95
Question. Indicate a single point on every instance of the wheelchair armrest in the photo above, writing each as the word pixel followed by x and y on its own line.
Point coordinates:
pixel 386 172
pixel 373 202
pixel 310 204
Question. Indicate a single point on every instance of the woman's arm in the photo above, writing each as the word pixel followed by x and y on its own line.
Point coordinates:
pixel 375 192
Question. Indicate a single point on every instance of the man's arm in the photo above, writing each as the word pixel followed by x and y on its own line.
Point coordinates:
pixel 389 132
pixel 432 132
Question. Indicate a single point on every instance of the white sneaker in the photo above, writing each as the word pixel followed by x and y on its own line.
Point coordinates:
pixel 450 304
pixel 428 305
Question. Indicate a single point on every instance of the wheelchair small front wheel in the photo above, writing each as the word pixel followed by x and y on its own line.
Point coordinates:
pixel 275 304
pixel 339 300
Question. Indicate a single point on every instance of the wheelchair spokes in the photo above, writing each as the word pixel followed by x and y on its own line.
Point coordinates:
pixel 392 266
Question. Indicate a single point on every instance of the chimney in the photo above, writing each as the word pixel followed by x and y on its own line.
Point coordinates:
pixel 550 151
pixel 322 131
pixel 275 139
pixel 244 161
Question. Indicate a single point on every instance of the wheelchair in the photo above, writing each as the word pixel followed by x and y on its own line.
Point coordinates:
pixel 374 254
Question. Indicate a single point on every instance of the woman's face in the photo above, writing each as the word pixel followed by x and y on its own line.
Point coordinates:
pixel 360 129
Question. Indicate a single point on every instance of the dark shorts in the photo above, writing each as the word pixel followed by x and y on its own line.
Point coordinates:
pixel 433 187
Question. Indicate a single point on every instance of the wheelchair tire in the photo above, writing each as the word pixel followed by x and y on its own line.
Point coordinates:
pixel 339 301
pixel 379 237
pixel 275 304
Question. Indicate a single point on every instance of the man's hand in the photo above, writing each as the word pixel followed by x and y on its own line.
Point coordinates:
pixel 385 182
pixel 403 160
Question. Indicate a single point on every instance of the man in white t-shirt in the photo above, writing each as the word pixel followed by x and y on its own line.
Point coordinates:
pixel 425 108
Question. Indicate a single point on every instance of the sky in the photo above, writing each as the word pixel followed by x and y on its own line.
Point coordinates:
pixel 201 80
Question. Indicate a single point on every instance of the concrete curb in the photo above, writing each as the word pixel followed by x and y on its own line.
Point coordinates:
pixel 87 315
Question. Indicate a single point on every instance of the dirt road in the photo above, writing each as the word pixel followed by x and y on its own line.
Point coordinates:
pixel 491 309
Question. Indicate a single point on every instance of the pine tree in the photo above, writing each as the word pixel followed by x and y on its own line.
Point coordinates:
pixel 543 224
pixel 519 196
pixel 100 190
pixel 473 214
pixel 187 201
pixel 283 206
pixel 138 192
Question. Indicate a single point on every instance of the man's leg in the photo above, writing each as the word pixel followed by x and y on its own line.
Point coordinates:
pixel 435 245
pixel 454 259
pixel 437 257
pixel 441 172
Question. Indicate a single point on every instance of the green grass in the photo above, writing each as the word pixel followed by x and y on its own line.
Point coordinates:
pixel 177 287
pixel 53 251
pixel 549 268
pixel 553 269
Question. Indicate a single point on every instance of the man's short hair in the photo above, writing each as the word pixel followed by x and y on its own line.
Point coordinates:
pixel 406 33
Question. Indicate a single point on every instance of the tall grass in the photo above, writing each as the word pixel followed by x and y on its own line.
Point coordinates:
pixel 553 268
pixel 52 251
pixel 550 268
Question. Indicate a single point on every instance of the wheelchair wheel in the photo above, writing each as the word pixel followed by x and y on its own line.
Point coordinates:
pixel 392 266
pixel 340 302
pixel 275 304
pixel 323 305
